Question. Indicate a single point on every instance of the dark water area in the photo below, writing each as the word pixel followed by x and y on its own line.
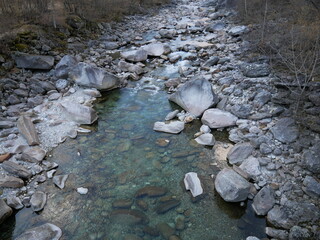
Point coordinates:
pixel 122 155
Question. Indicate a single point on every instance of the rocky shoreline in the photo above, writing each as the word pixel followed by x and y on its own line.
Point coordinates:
pixel 273 160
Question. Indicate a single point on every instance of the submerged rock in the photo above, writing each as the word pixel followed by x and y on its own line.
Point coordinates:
pixel 167 206
pixel 34 61
pixel 171 127
pixel 5 211
pixel 129 216
pixel 216 118
pixel 231 186
pixel 192 183
pixel 38 201
pixel 195 96
pixel 27 129
pixel 46 231
pixel 151 191
pixel 60 180
pixel 79 113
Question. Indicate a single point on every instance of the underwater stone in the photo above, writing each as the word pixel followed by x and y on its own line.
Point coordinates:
pixel 46 231
pixel 60 180
pixel 151 191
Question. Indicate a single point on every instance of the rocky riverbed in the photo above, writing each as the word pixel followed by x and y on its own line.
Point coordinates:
pixel 193 51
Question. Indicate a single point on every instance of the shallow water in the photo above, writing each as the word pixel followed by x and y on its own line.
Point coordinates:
pixel 121 156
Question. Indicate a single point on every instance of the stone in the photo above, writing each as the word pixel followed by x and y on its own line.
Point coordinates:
pixel 122 203
pixel 110 45
pixel 170 127
pixel 50 173
pixel 165 230
pixel 211 61
pixel 79 113
pixel 299 233
pixel 205 129
pixel 82 190
pixel 46 231
pixel 128 216
pixel 130 67
pixel 162 142
pixel 167 33
pixel 5 211
pixel 264 201
pixel 311 186
pixel 311 159
pixel 11 182
pixel 206 139
pixel 16 169
pixel 315 98
pixel 277 233
pixel 171 115
pixel 38 201
pixel 252 238
pixel 34 154
pixel 6 124
pixel 261 98
pixel 216 118
pixel 285 130
pixel 28 130
pixel 5 157
pixel 239 152
pixel 34 61
pixel 132 237
pixel 195 96
pixel 151 231
pixel 61 84
pixel 253 70
pixel 14 202
pixel 251 166
pixel 241 110
pixel 94 77
pixel 154 49
pixel 231 186
pixel 60 180
pixel 150 191
pixel 135 55
pixel 238 30
pixel 192 183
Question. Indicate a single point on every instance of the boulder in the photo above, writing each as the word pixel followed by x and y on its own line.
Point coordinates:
pixel 167 33
pixel 110 45
pixel 79 113
pixel 171 115
pixel 129 67
pixel 64 66
pixel 205 129
pixel 5 211
pixel 192 183
pixel 34 61
pixel 216 118
pixel 46 231
pixel 206 139
pixel 231 186
pixel 239 152
pixel 14 202
pixel 34 154
pixel 311 186
pixel 277 233
pixel 211 61
pixel 263 201
pixel 253 70
pixel 28 130
pixel 195 96
pixel 170 127
pixel 251 166
pixel 154 49
pixel 11 182
pixel 238 30
pixel 60 180
pixel 285 130
pixel 38 201
pixel 299 233
pixel 135 55
pixel 16 169
pixel 91 76
pixel 242 110
pixel 311 159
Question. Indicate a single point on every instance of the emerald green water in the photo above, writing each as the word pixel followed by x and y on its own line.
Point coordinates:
pixel 121 156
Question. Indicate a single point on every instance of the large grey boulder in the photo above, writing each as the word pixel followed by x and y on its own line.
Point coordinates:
pixel 79 113
pixel 251 166
pixel 5 211
pixel 94 77
pixel 64 66
pixel 34 61
pixel 38 201
pixel 154 49
pixel 239 152
pixel 231 186
pixel 264 201
pixel 285 130
pixel 46 231
pixel 169 127
pixel 135 55
pixel 28 130
pixel 216 118
pixel 254 70
pixel 11 182
pixel 311 187
pixel 206 139
pixel 16 169
pixel 192 183
pixel 34 154
pixel 195 96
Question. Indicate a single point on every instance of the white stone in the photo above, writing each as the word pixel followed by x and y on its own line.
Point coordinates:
pixel 192 183
pixel 82 190
pixel 216 118
pixel 171 127
pixel 206 139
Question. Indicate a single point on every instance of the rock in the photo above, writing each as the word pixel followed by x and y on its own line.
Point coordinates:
pixel 135 55
pixel 64 66
pixel 162 142
pixel 216 27
pixel 171 115
pixel 82 190
pixel 252 238
pixel 263 201
pixel 28 130
pixel 154 49
pixel 16 169
pixel 192 183
pixel 211 61
pixel 251 166
pixel 231 186
pixel 195 96
pixel 60 180
pixel 285 130
pixel 34 61
pixel 132 237
pixel 14 202
pixel 128 216
pixel 242 110
pixel 315 98
pixel 167 33
pixel 239 152
pixel 34 154
pixel 5 157
pixel 38 201
pixel 261 98
pixel 299 233
pixel 11 182
pixel 129 67
pixel 171 127
pixel 6 124
pixel 206 139
pixel 311 159
pixel 151 231
pixel 5 211
pixel 46 231
pixel 167 206
pixel 205 129
pixel 80 113
pixel 253 70
pixel 277 233
pixel 216 118
pixel 238 30
pixel 50 173
pixel 110 45
pixel 312 187
pixel 61 84
pixel 165 230
pixel 122 203
pixel 151 191
pixel 91 76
